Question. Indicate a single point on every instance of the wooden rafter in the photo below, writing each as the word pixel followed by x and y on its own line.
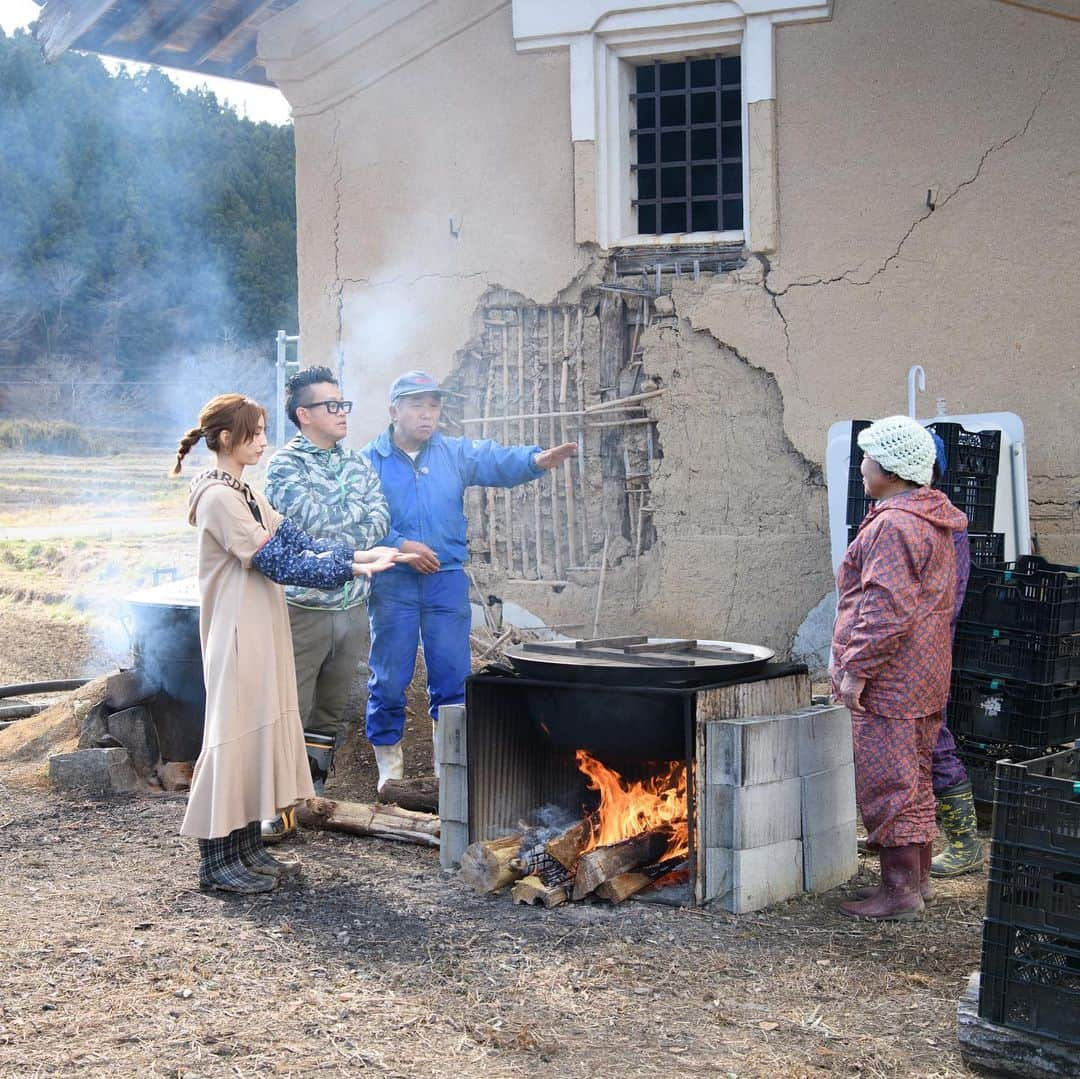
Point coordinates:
pixel 218 38
pixel 162 31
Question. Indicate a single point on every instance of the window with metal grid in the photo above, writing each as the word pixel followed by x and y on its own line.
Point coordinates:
pixel 688 145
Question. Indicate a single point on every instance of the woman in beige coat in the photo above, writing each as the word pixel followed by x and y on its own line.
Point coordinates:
pixel 253 764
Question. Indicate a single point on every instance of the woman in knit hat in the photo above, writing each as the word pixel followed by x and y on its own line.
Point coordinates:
pixel 892 656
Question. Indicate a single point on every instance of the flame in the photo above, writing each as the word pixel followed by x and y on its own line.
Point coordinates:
pixel 630 808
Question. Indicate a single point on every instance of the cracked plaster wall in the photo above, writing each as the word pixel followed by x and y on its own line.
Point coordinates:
pixel 975 101
pixel 458 134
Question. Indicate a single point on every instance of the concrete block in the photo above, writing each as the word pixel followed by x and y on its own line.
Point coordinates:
pixel 454 794
pixel 98 771
pixel 830 858
pixel 824 738
pixel 451 735
pixel 134 729
pixel 745 880
pixel 755 749
pixel 453 839
pixel 752 816
pixel 828 799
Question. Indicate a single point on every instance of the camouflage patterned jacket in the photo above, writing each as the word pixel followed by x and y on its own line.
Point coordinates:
pixel 332 495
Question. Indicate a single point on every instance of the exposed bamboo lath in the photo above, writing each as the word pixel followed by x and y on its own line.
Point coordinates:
pixel 212 37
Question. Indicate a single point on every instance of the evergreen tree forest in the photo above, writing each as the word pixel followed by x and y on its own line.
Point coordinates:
pixel 139 224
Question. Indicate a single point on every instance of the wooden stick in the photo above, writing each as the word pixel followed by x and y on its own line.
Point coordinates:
pixel 602 406
pixel 556 524
pixel 381 821
pixel 604 863
pixel 538 516
pixel 568 468
pixel 493 552
pixel 506 439
pixel 497 643
pixel 533 580
pixel 485 866
pixel 521 441
pixel 593 424
pixel 579 348
pixel 600 588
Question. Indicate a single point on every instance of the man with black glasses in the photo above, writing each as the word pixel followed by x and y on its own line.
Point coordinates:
pixel 332 494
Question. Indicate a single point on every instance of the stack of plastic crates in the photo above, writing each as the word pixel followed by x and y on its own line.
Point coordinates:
pixel 1016 665
pixel 970 484
pixel 1030 969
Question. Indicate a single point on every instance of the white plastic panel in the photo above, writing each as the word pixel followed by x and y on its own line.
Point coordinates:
pixel 1011 512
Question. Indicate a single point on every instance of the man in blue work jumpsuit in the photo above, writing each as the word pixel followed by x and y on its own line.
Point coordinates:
pixel 424 475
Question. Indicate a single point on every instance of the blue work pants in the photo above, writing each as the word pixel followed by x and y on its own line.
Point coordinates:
pixel 405 607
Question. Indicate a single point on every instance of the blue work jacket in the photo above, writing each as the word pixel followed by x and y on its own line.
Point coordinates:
pixel 427 498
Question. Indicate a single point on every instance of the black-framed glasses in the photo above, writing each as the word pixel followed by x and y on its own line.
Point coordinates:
pixel 333 407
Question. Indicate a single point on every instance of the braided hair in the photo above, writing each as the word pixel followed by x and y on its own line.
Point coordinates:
pixel 232 412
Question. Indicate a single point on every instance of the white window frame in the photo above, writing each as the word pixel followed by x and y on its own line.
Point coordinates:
pixel 606 39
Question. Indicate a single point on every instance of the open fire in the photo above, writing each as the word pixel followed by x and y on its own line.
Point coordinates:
pixel 636 838
pixel 630 808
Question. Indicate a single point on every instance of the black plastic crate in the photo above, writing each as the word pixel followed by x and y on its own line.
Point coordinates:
pixel 987 549
pixel 1017 713
pixel 969 453
pixel 1028 594
pixel 973 495
pixel 970 482
pixel 1030 980
pixel 980 759
pixel 1035 890
pixel 1037 803
pixel 1016 654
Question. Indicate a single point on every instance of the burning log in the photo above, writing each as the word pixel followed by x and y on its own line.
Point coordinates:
pixel 532 890
pixel 486 866
pixel 623 886
pixel 420 795
pixel 380 821
pixel 603 864
pixel 566 848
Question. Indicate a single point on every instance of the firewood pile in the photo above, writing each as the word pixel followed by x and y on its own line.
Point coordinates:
pixel 637 838
pixel 561 869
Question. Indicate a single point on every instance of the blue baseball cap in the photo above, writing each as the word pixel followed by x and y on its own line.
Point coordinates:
pixel 414 382
pixel 939 451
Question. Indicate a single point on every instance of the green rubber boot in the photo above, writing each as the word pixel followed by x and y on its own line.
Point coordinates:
pixel 964 853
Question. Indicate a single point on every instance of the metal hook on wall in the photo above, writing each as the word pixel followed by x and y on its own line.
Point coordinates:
pixel 916 380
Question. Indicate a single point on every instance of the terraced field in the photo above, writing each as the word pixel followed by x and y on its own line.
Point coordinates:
pixel 77 534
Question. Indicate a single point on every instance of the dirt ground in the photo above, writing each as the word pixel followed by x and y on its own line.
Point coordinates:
pixel 380 963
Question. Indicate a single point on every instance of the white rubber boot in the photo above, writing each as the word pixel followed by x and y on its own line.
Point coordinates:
pixel 435 747
pixel 391 762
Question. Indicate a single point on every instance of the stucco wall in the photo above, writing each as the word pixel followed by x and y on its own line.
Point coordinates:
pixel 471 132
pixel 973 100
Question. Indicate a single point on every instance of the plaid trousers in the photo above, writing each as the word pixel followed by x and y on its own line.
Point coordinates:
pixel 893 777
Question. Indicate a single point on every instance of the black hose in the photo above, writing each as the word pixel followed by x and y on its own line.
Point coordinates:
pixel 27 688
pixel 20 711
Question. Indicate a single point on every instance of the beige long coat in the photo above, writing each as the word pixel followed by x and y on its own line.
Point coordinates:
pixel 253 762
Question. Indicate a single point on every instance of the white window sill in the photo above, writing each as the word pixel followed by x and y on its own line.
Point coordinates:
pixel 676 239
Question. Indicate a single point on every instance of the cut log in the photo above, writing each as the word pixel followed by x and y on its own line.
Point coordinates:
pixel 566 848
pixel 485 866
pixel 420 794
pixel 604 863
pixel 532 890
pixel 380 821
pixel 623 886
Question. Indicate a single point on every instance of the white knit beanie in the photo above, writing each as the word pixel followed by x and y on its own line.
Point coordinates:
pixel 901 445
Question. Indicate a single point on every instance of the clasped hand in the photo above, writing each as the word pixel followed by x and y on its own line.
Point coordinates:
pixel 378 559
